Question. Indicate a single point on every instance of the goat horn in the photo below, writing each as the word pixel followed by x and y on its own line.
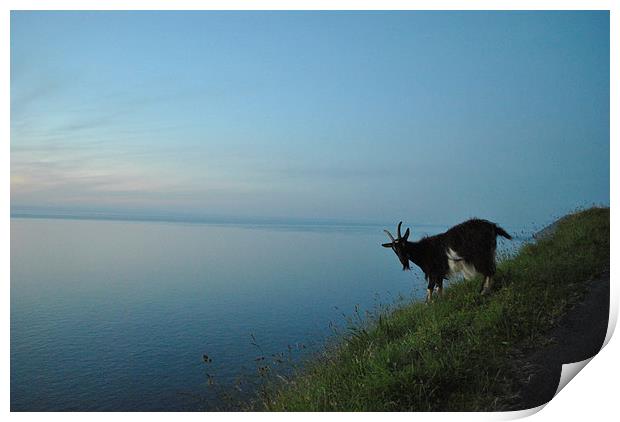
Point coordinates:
pixel 390 235
pixel 399 224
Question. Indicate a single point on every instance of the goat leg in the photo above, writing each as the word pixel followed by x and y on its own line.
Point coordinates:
pixel 430 288
pixel 488 281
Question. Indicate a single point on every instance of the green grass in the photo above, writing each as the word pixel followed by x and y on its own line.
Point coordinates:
pixel 459 353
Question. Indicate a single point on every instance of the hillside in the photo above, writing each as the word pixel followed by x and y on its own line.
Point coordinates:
pixel 464 352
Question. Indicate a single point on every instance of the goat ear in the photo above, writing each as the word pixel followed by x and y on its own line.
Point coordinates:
pixel 386 245
pixel 406 234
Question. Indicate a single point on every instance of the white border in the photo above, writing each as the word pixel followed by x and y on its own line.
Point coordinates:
pixel 591 395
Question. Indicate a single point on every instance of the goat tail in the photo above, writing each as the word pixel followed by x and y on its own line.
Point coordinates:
pixel 501 232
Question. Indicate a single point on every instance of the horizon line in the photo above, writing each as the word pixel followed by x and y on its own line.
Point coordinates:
pixel 34 213
pixel 171 217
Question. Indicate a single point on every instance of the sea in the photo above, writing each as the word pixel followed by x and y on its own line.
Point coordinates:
pixel 113 315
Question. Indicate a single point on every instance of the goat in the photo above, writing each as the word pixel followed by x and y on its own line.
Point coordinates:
pixel 468 248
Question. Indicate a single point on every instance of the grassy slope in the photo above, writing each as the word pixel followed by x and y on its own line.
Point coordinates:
pixel 459 352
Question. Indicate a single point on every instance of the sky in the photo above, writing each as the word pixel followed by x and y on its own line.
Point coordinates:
pixel 428 117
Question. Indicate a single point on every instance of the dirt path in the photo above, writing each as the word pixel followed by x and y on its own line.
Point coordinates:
pixel 579 335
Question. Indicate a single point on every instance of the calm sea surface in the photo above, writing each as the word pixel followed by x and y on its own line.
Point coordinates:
pixel 114 315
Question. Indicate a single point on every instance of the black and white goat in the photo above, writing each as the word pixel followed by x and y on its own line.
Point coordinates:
pixel 468 248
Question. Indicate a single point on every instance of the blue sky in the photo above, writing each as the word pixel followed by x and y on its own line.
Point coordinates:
pixel 428 117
